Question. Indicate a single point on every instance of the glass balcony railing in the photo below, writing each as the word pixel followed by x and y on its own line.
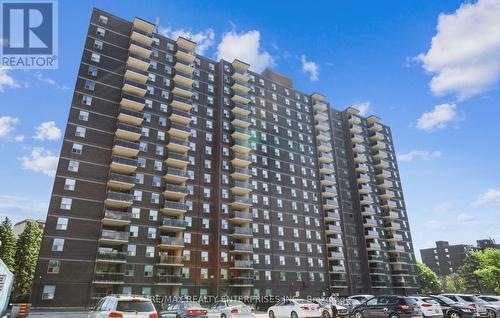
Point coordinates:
pixel 175 205
pixel 117 215
pixel 109 276
pixel 165 258
pixel 176 188
pixel 119 196
pixel 173 222
pixel 242 200
pixel 182 99
pixel 242 215
pixel 331 227
pixel 178 172
pixel 242 247
pixel 242 230
pixel 178 156
pixel 111 255
pixel 168 279
pixel 241 170
pixel 177 126
pixel 127 144
pixel 335 241
pixel 114 235
pixel 168 240
pixel 124 161
pixel 242 264
pixel 121 178
pixel 138 57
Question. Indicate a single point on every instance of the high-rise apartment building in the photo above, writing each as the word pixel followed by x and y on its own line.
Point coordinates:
pixel 180 175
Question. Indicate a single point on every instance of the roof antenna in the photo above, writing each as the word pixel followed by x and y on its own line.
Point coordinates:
pixel 157 24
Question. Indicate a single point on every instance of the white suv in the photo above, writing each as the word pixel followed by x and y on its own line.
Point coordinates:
pixel 123 306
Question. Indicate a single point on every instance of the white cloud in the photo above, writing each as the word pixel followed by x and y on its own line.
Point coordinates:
pixel 244 47
pixel 438 118
pixel 363 107
pixel 419 154
pixel 490 197
pixel 47 131
pixel 204 39
pixel 464 217
pixel 19 208
pixel 310 68
pixel 40 160
pixel 443 207
pixel 19 138
pixel 464 56
pixel 39 76
pixel 7 125
pixel 6 80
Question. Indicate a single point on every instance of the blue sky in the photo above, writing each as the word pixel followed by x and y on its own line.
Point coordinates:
pixel 440 98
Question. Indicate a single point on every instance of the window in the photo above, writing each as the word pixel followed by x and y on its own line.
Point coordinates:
pixel 73 166
pixel 89 85
pixel 148 270
pixel 103 19
pixel 53 267
pixel 134 231
pixel 62 224
pixel 98 44
pixel 100 32
pixel 83 116
pixel 80 132
pixel 69 184
pixel 58 245
pixel 131 250
pixel 66 204
pixel 86 100
pixel 92 71
pixel 48 292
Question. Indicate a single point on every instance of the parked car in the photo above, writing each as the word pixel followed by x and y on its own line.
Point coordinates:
pixel 330 309
pixel 350 304
pixel 295 308
pixel 184 309
pixel 123 306
pixel 494 300
pixel 470 301
pixel 388 307
pixel 492 307
pixel 360 298
pixel 429 307
pixel 452 309
pixel 230 309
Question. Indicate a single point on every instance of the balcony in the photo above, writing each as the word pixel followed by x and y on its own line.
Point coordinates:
pixel 240 76
pixel 123 164
pixel 166 259
pixel 320 115
pixel 241 146
pixel 184 78
pixel 394 237
pixel 375 258
pixel 172 225
pixel 239 217
pixel 354 120
pixel 108 278
pixel 372 234
pixel 320 106
pixel 392 226
pixel 182 90
pixel 357 138
pixel 367 211
pixel 396 248
pixel 333 242
pixel 240 98
pixel 241 264
pixel 242 248
pixel 375 127
pixel 323 136
pixel 367 222
pixel 181 103
pixel 142 36
pixel 242 281
pixel 325 157
pixel 382 164
pixel 116 218
pixel 128 132
pixel 377 136
pixel 324 146
pixel 177 160
pixel 174 208
pixel 120 181
pixel 364 189
pixel 185 44
pixel 134 88
pixel 389 205
pixel 170 243
pixel 336 269
pixel 183 66
pixel 383 174
pixel 386 194
pixel 332 216
pixel 132 102
pixel 241 109
pixel 360 158
pixel 185 55
pixel 363 178
pixel 176 175
pixel 178 145
pixel 176 192
pixel 329 204
pixel 136 75
pixel 168 280
pixel 390 215
pixel 398 260
pixel 239 202
pixel 178 131
pixel 114 237
pixel 335 255
pixel 373 246
pixel 138 62
pixel 329 192
pixel 386 184
pixel 356 129
pixel 240 86
pixel 326 168
pixel 118 200
pixel 130 117
pixel 338 284
pixel 358 148
pixel 327 180
pixel 241 160
pixel 379 145
pixel 322 126
pixel 241 121
pixel 241 188
pixel 241 174
pixel 106 255
pixel 365 199
pixel 333 229
pixel 179 116
pixel 140 49
pixel 241 232
pixel 240 134
pixel 380 154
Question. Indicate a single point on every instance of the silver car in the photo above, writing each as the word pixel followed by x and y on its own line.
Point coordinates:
pixel 231 309
pixel 470 301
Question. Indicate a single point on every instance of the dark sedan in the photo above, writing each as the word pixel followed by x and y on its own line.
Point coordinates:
pixel 452 309
pixel 184 309
pixel 389 306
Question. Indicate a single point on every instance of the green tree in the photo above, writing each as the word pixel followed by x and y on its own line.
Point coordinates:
pixel 26 257
pixel 453 283
pixel 8 247
pixel 429 281
pixel 489 270
pixel 467 273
